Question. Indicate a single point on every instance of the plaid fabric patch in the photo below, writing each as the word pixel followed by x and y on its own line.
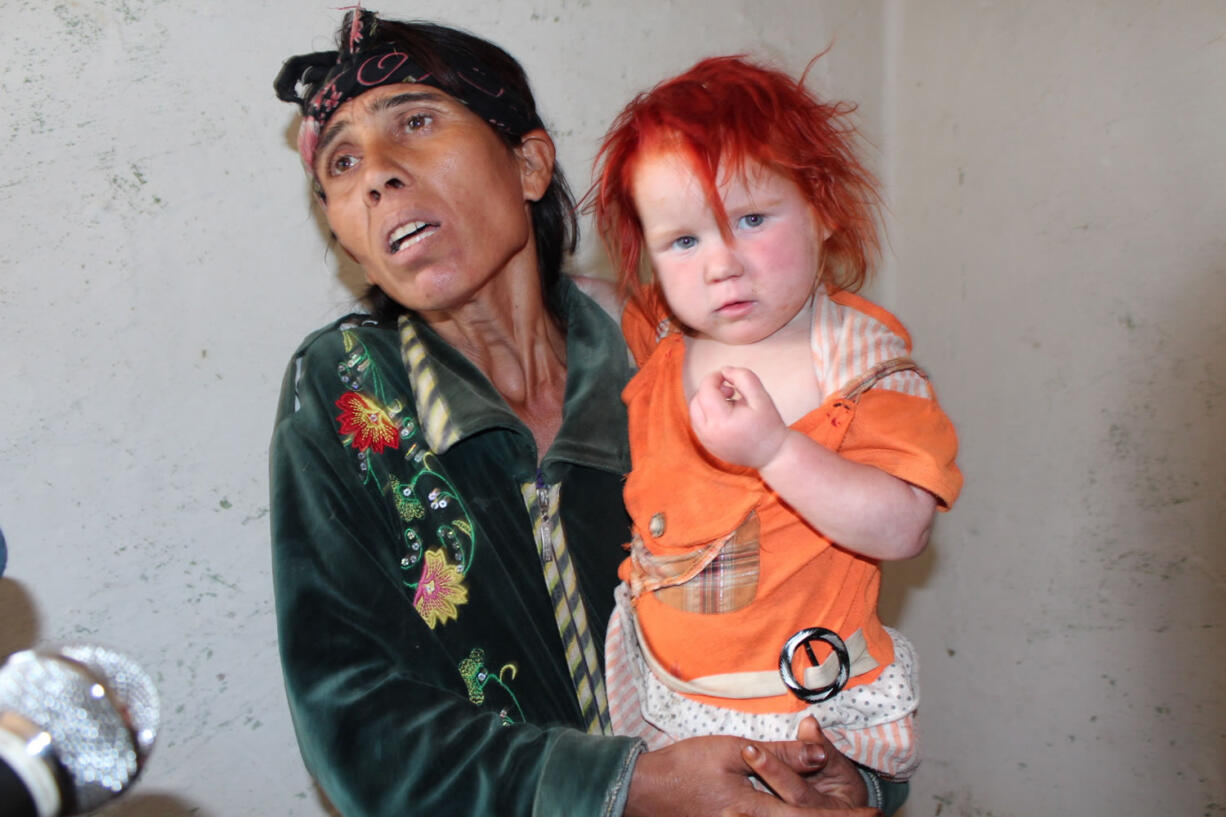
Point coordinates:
pixel 718 578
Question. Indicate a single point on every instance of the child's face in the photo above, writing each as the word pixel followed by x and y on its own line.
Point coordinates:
pixel 738 290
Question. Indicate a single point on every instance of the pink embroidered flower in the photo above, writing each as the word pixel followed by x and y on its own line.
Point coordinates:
pixel 367 422
pixel 440 590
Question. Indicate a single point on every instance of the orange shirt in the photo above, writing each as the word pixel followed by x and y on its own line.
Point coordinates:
pixel 681 498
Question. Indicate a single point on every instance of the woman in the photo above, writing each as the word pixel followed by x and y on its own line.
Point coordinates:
pixel 446 473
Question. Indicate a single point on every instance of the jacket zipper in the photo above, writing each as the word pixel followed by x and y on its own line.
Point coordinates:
pixel 542 507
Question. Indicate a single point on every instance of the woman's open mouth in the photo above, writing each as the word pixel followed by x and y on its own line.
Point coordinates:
pixel 409 234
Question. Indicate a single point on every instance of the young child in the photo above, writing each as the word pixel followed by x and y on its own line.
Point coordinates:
pixel 783 442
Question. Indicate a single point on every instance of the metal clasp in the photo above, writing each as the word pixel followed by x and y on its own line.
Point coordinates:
pixel 804 638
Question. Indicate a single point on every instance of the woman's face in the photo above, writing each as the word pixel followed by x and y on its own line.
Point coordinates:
pixel 426 197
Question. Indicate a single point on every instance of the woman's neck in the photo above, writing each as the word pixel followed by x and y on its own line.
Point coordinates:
pixel 506 331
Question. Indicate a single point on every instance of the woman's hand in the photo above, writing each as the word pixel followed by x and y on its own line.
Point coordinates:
pixel 735 419
pixel 836 779
pixel 709 776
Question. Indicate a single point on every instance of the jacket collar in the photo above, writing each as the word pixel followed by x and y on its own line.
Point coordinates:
pixel 455 400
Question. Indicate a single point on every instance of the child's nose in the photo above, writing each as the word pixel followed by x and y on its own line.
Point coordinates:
pixel 723 263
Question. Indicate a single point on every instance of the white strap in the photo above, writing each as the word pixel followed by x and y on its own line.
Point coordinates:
pixel 763 684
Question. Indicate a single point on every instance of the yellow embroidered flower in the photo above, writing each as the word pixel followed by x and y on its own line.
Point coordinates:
pixel 440 590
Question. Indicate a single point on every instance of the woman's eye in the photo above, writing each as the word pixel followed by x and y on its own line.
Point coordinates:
pixel 341 163
pixel 417 121
pixel 685 242
pixel 752 220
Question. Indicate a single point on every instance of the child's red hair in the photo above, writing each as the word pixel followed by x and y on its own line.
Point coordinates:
pixel 730 111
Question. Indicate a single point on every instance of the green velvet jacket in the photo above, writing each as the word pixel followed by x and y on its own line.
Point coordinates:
pixel 423 664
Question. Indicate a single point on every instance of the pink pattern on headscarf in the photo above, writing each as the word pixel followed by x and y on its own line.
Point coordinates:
pixel 308 139
pixel 356 72
pixel 355 27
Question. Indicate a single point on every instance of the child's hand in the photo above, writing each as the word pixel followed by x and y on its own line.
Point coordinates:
pixel 735 419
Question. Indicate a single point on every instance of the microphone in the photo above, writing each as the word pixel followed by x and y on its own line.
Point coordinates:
pixel 76 728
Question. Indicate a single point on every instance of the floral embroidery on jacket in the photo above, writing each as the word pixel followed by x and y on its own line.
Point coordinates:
pixel 438 533
pixel 366 423
pixel 476 677
pixel 439 590
pixel 407 504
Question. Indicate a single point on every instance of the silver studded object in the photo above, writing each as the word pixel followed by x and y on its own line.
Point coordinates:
pixel 98 707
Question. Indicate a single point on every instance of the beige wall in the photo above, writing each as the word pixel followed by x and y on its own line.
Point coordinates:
pixel 1056 225
pixel 1059 222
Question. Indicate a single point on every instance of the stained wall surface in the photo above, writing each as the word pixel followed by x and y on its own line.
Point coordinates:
pixel 1059 198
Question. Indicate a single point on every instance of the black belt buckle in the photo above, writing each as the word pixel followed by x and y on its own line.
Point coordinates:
pixel 804 638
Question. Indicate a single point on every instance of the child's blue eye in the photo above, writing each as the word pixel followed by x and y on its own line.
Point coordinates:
pixel 752 220
pixel 685 242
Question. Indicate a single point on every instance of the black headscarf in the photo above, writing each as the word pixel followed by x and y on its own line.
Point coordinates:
pixel 363 62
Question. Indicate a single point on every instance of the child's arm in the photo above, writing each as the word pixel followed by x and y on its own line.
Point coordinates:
pixel 860 507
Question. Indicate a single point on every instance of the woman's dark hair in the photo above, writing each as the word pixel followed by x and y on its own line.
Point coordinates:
pixel 442 52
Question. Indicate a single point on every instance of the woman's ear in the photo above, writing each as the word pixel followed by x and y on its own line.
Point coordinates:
pixel 536 156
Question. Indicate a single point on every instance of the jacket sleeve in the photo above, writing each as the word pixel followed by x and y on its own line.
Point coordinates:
pixel 372 693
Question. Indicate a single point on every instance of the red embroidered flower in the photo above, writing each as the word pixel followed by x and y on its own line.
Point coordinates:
pixel 367 422
pixel 439 590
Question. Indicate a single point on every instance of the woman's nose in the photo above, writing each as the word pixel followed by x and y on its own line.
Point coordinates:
pixel 382 175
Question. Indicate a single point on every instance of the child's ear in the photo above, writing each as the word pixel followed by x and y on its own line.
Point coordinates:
pixel 536 157
pixel 821 228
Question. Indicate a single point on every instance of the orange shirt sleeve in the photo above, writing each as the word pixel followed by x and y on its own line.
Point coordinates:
pixel 908 437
